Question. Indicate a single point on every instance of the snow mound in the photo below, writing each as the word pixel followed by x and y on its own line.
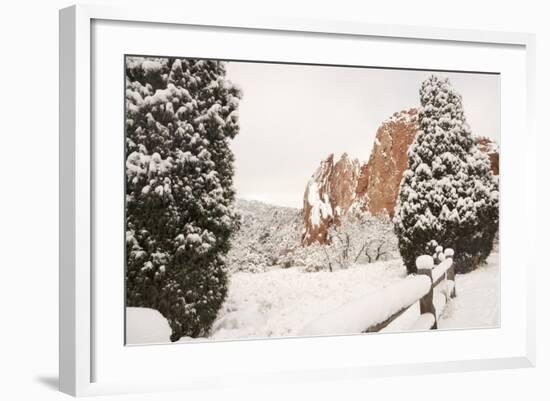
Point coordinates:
pixel 144 325
pixel 424 322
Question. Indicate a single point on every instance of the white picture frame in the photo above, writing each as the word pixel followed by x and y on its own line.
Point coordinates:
pixel 84 352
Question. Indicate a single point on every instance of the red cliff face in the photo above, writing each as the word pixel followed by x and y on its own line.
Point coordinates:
pixel 329 194
pixel 342 186
pixel 486 145
pixel 380 178
pixel 373 186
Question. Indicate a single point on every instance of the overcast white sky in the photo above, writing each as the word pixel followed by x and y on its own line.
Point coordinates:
pixel 294 116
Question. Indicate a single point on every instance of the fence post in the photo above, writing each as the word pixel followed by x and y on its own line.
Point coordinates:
pixel 449 253
pixel 424 265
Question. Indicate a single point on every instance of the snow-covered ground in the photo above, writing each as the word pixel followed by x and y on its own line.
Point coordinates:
pixel 478 298
pixel 281 302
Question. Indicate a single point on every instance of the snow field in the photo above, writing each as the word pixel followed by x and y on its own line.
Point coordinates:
pixel 282 302
pixel 477 303
pixel 291 302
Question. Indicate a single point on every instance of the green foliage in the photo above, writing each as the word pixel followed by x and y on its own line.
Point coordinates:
pixel 448 193
pixel 180 116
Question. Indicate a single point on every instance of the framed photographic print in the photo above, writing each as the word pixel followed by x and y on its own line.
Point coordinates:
pixel 267 199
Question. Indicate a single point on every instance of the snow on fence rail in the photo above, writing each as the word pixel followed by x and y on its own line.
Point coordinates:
pixel 431 287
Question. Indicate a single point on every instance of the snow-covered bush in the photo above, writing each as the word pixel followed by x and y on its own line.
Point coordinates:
pixel 358 238
pixel 380 239
pixel 180 116
pixel 267 238
pixel 448 193
pixel 315 257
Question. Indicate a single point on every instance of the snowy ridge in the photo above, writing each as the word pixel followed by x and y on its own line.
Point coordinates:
pixel 487 144
pixel 403 116
pixel 266 238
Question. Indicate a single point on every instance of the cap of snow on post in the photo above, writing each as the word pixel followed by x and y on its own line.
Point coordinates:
pixel 449 253
pixel 425 262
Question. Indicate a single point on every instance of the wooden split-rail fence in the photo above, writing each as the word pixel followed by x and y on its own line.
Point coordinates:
pixel 430 288
pixel 442 288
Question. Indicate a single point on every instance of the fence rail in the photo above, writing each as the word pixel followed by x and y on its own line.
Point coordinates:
pixel 431 288
pixel 443 287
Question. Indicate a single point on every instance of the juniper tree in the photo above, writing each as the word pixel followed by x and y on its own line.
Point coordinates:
pixel 180 116
pixel 448 193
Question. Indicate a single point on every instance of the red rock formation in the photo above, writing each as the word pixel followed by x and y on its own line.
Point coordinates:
pixel 343 182
pixel 335 187
pixel 380 178
pixel 329 194
pixel 373 186
pixel 488 146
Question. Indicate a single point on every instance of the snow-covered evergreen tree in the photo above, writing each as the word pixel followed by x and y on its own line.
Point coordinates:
pixel 180 116
pixel 448 193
